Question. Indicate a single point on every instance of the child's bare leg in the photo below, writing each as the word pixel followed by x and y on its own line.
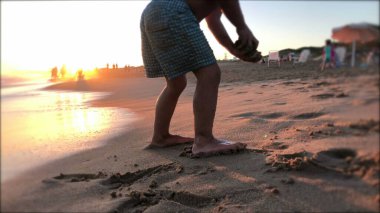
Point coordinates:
pixel 323 65
pixel 165 107
pixel 205 101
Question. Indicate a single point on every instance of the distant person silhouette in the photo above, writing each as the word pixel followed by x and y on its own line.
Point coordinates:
pixel 54 73
pixel 63 71
pixel 328 56
pixel 80 75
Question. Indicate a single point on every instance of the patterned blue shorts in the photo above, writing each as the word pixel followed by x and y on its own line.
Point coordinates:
pixel 172 41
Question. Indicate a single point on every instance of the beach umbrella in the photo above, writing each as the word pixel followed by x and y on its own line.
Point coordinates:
pixel 352 33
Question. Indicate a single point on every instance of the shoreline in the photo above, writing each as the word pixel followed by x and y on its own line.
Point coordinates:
pixel 293 127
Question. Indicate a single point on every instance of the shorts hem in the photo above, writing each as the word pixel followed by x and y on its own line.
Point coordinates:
pixel 195 68
pixel 177 74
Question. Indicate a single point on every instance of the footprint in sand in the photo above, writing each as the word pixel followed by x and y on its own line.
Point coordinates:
pixel 364 102
pixel 338 153
pixel 130 177
pixel 308 115
pixel 341 95
pixel 319 84
pixel 336 159
pixel 336 89
pixel 80 177
pixel 187 198
pixel 329 95
pixel 365 125
pixel 346 161
pixel 371 100
pixel 288 83
pixel 164 205
pixel 323 96
pixel 272 115
pixel 279 103
pixel 160 200
pixel 244 115
pixel 301 89
pixel 241 92
pixel 276 145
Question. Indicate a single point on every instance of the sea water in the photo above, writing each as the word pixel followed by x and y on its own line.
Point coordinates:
pixel 38 126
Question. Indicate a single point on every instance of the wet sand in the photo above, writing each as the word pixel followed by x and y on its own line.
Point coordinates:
pixel 313 141
pixel 44 125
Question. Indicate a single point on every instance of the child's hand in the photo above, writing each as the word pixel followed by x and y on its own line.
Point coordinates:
pixel 246 53
pixel 246 38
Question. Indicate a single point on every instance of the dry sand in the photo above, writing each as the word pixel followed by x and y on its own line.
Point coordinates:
pixel 313 146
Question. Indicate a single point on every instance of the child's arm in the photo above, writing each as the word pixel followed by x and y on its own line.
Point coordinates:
pixel 232 10
pixel 217 28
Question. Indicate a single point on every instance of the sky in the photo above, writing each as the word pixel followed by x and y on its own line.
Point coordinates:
pixel 38 35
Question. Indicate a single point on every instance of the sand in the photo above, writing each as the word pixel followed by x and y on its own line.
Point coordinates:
pixel 313 146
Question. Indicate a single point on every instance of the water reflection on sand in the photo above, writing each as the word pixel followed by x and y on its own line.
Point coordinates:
pixel 39 126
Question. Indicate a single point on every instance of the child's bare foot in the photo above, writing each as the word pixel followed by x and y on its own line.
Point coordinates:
pixel 206 147
pixel 170 140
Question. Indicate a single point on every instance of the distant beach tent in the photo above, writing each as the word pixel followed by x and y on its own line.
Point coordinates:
pixel 304 56
pixel 274 56
pixel 352 33
pixel 340 53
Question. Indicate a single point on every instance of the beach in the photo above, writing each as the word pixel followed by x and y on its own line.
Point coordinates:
pixel 312 136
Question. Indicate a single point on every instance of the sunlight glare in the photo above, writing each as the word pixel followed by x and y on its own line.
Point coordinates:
pixel 82 35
